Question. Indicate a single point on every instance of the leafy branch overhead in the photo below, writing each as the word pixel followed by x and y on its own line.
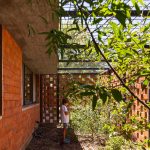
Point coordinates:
pixel 95 91
pixel 113 36
pixel 57 41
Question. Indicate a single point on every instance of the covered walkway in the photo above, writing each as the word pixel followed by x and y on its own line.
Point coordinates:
pixel 34 76
pixel 49 137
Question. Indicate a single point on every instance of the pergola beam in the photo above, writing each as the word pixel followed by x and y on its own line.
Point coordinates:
pixel 81 68
pixel 83 46
pixel 133 13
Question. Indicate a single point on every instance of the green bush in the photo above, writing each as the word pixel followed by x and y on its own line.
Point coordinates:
pixel 115 143
pixel 120 143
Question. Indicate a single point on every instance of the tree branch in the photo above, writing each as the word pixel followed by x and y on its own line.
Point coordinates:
pixel 114 71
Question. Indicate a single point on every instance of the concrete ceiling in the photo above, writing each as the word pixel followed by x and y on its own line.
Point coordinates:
pixel 18 16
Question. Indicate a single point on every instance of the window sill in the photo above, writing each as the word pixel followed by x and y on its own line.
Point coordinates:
pixel 26 107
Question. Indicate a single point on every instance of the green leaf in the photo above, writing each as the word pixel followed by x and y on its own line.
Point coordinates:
pixel 94 102
pixel 114 27
pixel 135 4
pixel 121 18
pixel 146 27
pixel 137 9
pixel 116 95
pixel 49 51
pixel 87 93
pixel 70 58
pixel 88 1
pixel 144 84
pixel 62 53
pixel 128 40
pixel 97 20
pixel 90 87
pixel 141 2
pixel 72 29
pixel 129 105
pixel 76 24
pixel 103 95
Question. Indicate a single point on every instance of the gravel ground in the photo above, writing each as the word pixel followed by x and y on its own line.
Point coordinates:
pixel 49 137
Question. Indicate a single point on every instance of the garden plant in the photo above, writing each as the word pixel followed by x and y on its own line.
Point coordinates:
pixel 110 33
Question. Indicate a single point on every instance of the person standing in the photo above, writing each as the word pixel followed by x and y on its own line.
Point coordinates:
pixel 65 119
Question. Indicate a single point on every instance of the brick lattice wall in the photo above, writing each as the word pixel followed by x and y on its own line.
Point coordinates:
pixel 49 98
pixel 17 123
pixel 139 110
pixel 66 79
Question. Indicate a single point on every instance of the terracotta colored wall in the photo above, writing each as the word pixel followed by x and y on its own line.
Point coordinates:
pixel 65 79
pixel 139 110
pixel 16 123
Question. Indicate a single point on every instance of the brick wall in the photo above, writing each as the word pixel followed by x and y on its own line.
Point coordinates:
pixel 66 78
pixel 139 110
pixel 16 123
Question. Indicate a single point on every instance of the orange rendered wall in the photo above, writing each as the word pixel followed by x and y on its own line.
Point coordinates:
pixel 16 122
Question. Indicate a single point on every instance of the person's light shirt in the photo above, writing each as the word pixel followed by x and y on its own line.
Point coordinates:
pixel 64 117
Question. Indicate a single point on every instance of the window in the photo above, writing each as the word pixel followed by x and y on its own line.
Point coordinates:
pixel 28 86
pixel 0 70
pixel 37 88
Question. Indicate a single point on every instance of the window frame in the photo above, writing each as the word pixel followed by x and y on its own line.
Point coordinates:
pixel 31 101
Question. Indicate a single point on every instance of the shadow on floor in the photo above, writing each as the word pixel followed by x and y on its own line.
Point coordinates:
pixel 49 137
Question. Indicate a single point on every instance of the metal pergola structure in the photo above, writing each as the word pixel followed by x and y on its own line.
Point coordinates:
pixel 66 22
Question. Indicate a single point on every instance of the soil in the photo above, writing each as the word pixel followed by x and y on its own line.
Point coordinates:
pixel 49 137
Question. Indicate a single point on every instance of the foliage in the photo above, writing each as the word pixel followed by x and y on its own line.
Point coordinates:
pixel 119 143
pixel 81 38
pixel 120 42
pixel 108 122
pixel 95 92
pixel 86 121
pixel 115 143
pixel 109 117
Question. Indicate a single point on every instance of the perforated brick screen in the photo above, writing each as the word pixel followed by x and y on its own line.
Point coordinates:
pixel 53 87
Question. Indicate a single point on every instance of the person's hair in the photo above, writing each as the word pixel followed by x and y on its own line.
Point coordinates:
pixel 64 101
